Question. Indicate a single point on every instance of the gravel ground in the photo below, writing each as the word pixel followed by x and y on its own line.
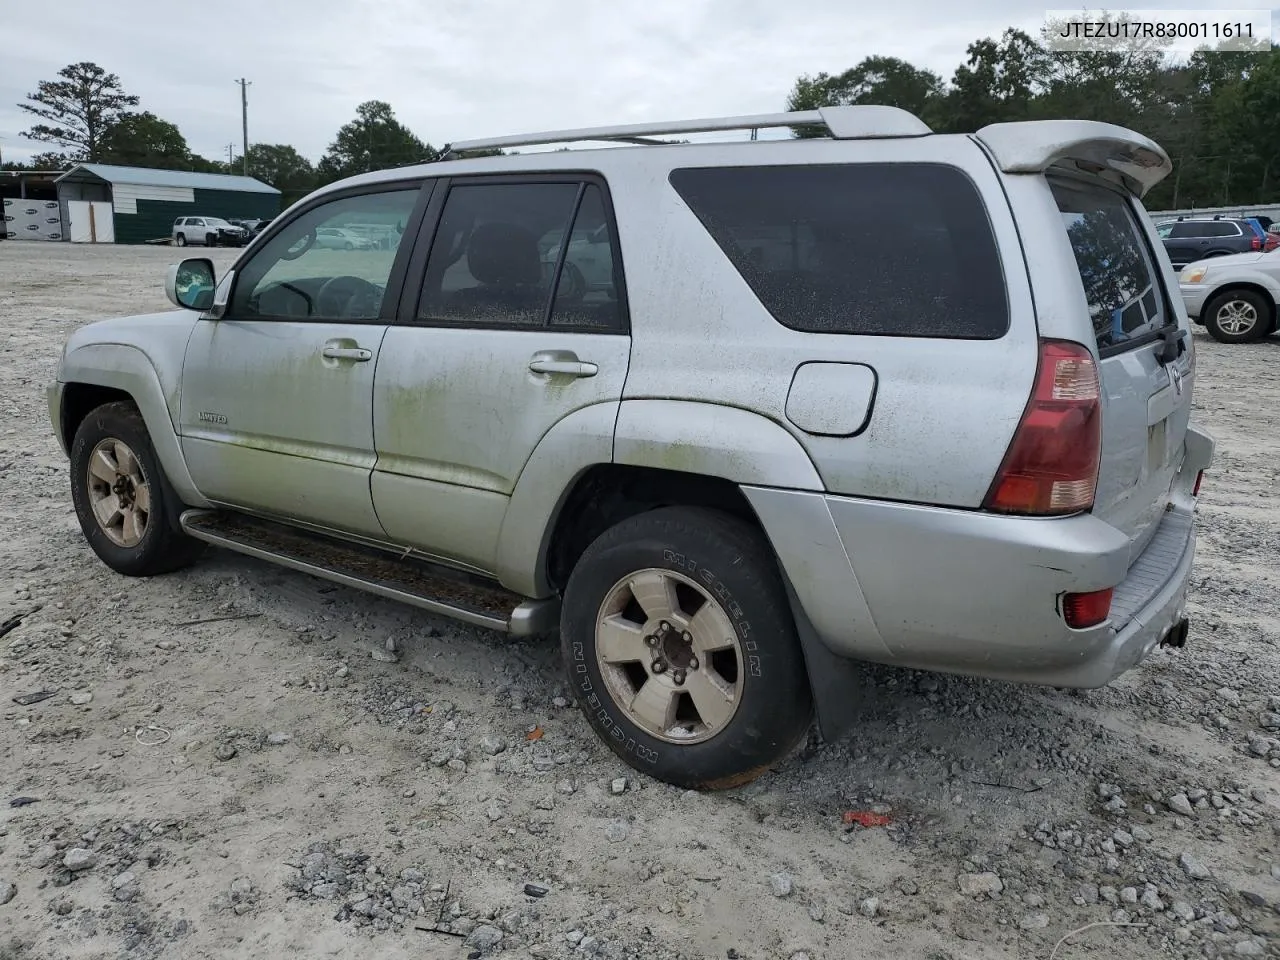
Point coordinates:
pixel 234 765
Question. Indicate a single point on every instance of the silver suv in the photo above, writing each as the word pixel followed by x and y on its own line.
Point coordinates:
pixel 883 395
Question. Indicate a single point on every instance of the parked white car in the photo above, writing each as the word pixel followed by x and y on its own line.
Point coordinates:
pixel 1235 298
pixel 335 238
pixel 588 263
pixel 209 231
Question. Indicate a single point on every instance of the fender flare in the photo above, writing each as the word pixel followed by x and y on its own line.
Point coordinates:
pixel 717 441
pixel 128 369
pixel 572 446
pixel 675 435
pixel 1252 283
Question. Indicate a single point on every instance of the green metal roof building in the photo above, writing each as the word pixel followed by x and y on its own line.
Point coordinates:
pixel 145 202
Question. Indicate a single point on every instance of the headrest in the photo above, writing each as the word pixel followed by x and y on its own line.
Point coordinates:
pixel 505 254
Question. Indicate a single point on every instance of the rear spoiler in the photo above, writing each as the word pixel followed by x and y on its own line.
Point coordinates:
pixel 1117 153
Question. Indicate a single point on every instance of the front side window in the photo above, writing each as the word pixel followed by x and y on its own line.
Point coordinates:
pixel 300 273
pixel 903 249
pixel 1119 278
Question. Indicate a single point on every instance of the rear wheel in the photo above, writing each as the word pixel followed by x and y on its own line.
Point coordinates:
pixel 1237 316
pixel 680 646
pixel 126 506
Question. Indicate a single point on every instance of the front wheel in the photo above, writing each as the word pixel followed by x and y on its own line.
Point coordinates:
pixel 681 649
pixel 126 506
pixel 1237 316
pixel 181 240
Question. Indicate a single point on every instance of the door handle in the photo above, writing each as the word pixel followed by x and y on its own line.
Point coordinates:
pixel 359 354
pixel 562 362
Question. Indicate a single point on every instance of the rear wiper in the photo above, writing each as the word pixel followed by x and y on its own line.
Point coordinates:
pixel 1174 346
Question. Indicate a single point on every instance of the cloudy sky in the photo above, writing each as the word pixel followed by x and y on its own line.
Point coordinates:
pixel 456 69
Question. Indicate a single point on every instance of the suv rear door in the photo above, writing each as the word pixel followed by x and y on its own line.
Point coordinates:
pixel 1146 401
pixel 499 336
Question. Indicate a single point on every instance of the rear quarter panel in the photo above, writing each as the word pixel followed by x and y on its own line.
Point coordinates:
pixel 945 410
pixel 1144 412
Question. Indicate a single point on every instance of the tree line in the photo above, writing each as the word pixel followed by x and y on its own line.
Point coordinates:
pixel 1214 112
pixel 87 116
pixel 1217 114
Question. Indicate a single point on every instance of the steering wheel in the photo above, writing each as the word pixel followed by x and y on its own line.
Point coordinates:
pixel 300 246
pixel 344 297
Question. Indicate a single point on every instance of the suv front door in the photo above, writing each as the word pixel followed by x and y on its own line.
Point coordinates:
pixel 493 347
pixel 277 395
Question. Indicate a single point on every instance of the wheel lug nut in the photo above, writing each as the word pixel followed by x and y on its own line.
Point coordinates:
pixel 651 640
pixel 687 637
pixel 678 676
pixel 659 666
pixel 693 663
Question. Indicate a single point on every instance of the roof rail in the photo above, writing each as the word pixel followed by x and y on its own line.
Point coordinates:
pixel 841 123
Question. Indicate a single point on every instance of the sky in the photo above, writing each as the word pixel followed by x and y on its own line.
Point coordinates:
pixel 460 69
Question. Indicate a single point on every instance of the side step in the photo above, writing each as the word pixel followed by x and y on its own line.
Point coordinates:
pixel 410 580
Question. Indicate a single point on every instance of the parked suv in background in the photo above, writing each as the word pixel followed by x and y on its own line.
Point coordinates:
pixel 208 231
pixel 886 395
pixel 1187 240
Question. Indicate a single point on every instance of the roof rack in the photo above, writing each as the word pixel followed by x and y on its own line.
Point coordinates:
pixel 841 123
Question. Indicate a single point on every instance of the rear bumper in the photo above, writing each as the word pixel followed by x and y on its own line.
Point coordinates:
pixel 974 593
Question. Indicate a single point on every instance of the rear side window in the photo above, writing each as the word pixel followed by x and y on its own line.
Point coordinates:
pixel 502 251
pixel 903 249
pixel 1206 228
pixel 1119 278
pixel 1226 228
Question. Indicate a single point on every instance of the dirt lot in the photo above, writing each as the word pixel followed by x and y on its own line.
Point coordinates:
pixel 233 766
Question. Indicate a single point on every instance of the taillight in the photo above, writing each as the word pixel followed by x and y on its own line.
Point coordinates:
pixel 1257 243
pixel 1051 466
pixel 1082 610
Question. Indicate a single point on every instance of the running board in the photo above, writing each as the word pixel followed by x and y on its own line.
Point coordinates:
pixel 410 580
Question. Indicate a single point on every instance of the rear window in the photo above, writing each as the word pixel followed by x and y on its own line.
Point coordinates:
pixel 1221 228
pixel 884 249
pixel 1206 228
pixel 1119 278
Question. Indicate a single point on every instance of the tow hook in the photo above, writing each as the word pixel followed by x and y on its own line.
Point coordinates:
pixel 1177 635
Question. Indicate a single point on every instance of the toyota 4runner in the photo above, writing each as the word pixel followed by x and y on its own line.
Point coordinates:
pixel 883 395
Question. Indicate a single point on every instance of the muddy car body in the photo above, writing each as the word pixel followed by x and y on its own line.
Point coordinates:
pixel 885 395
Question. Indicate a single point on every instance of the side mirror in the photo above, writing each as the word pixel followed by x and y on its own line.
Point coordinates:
pixel 190 284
